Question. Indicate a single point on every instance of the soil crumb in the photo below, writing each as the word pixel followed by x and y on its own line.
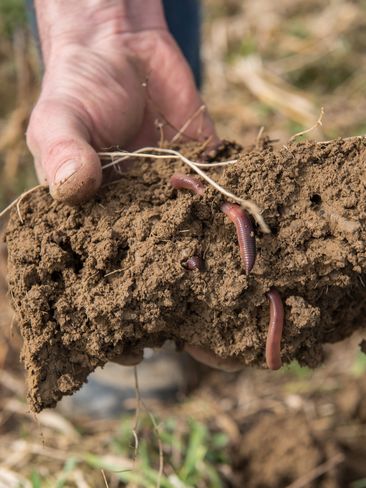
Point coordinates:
pixel 93 282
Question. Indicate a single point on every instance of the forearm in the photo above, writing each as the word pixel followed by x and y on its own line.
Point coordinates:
pixel 84 21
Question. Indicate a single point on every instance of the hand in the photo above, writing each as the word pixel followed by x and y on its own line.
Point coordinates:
pixel 97 57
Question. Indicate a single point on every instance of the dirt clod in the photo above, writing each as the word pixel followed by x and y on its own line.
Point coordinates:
pixel 90 283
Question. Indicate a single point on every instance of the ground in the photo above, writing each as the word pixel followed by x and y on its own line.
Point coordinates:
pixel 271 64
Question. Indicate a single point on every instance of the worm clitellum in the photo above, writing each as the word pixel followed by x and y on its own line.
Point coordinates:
pixel 245 233
pixel 195 262
pixel 179 180
pixel 276 320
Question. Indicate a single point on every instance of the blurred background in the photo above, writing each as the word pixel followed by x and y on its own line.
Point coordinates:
pixel 267 64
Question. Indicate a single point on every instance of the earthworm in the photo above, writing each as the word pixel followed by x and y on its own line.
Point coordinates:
pixel 180 180
pixel 275 327
pixel 245 233
pixel 195 262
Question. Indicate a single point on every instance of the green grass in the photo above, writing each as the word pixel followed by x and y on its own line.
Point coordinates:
pixel 36 480
pixel 192 454
pixel 192 457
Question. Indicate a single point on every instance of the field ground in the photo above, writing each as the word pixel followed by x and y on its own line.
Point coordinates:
pixel 270 64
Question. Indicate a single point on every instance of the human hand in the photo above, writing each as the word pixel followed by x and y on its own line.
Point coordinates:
pixel 97 56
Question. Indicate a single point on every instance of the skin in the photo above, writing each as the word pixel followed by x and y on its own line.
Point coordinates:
pixel 111 70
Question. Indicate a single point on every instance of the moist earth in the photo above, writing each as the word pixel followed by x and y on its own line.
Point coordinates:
pixel 90 283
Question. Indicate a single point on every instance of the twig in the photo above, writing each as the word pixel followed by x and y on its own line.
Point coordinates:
pixel 259 136
pixel 249 205
pixel 205 143
pixel 318 123
pixel 316 472
pixel 104 478
pixel 200 109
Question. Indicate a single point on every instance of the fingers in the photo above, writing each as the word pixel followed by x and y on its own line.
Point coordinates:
pixel 209 358
pixel 58 139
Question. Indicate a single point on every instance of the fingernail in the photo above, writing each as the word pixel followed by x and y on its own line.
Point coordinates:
pixel 65 171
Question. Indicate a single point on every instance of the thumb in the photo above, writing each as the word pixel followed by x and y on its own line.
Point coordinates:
pixel 58 139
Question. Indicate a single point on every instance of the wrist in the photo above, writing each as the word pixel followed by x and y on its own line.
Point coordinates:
pixel 84 22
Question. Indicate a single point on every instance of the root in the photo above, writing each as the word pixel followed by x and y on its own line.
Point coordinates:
pixel 18 201
pixel 160 153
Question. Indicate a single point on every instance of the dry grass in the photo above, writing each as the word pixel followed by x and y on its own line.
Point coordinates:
pixel 275 64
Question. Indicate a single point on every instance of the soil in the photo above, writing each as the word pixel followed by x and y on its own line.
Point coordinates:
pixel 92 282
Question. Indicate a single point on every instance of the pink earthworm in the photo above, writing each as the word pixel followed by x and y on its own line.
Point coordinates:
pixel 180 180
pixel 245 233
pixel 275 328
pixel 195 262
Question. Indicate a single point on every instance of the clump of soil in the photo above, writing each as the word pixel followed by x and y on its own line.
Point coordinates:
pixel 92 282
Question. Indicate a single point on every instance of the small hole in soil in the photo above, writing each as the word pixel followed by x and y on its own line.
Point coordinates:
pixel 56 276
pixel 122 252
pixel 315 199
pixel 274 229
pixel 77 262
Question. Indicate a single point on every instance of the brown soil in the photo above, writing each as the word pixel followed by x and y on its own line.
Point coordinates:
pixel 74 315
